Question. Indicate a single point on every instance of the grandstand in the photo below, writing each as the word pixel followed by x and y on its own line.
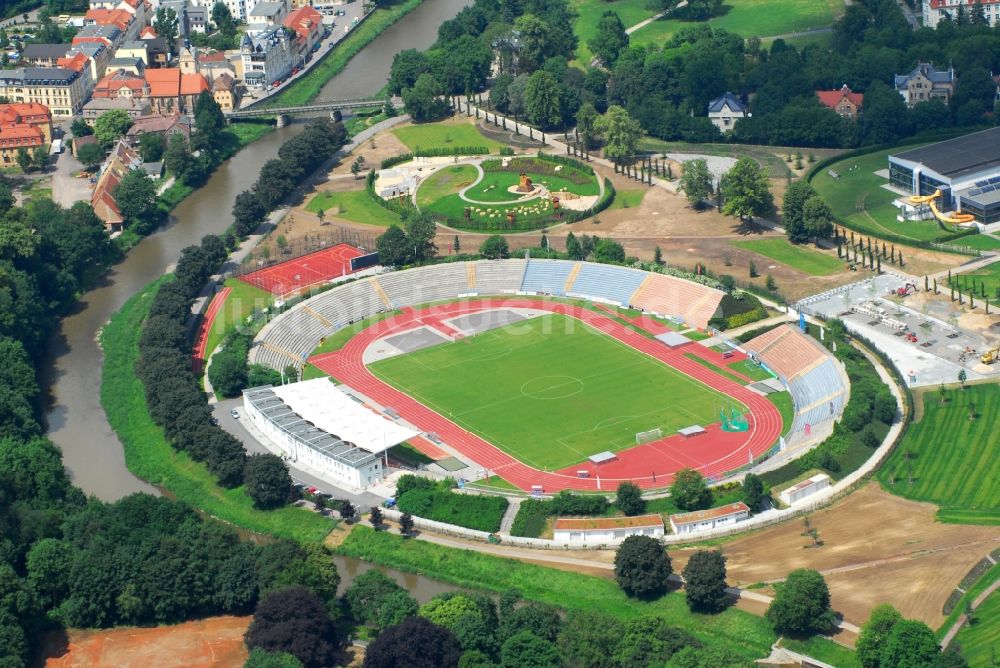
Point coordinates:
pixel 547 277
pixel 674 297
pixel 425 284
pixel 605 281
pixel 817 385
pixel 499 276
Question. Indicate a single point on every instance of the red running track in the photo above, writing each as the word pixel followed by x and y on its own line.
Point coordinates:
pixel 305 271
pixel 648 465
pixel 198 354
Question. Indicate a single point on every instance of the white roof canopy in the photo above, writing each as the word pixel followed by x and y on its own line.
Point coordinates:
pixel 319 401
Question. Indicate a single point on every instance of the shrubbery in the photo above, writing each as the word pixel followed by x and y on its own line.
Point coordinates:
pixel 435 501
pixel 533 513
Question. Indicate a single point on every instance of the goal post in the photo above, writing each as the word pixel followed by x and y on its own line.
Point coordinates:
pixel 648 436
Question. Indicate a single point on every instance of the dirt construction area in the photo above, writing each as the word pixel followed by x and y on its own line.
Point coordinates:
pixel 876 548
pixel 216 642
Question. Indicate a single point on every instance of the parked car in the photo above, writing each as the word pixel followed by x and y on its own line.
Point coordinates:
pixel 235 413
pixel 295 70
pixel 339 12
pixel 277 82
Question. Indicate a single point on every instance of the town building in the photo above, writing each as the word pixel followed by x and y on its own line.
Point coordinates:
pixel 807 487
pixel 160 52
pixel 598 530
pixel 136 48
pixel 267 15
pixel 315 424
pixel 26 126
pixel 165 125
pixel 134 107
pixel 134 66
pixel 725 111
pixel 215 64
pixel 703 520
pixel 80 142
pixel 121 161
pixel 924 83
pixel 965 170
pixel 307 24
pixel 935 11
pixel 62 90
pixel 98 56
pixel 118 18
pixel 196 19
pixel 140 9
pixel 844 101
pixel 225 92
pixel 267 57
pixel 109 36
pixel 43 55
pixel 167 90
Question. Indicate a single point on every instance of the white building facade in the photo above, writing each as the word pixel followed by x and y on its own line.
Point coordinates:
pixel 267 56
pixel 598 530
pixel 703 520
pixel 725 111
pixel 801 490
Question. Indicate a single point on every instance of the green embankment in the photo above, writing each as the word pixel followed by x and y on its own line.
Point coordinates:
pixel 800 258
pixel 150 457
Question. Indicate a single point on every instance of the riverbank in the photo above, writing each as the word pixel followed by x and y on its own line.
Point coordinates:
pixel 149 456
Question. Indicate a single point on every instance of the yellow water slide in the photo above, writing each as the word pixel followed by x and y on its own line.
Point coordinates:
pixel 953 218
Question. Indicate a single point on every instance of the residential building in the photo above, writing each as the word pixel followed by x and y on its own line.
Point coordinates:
pixel 925 82
pixel 267 57
pixel 134 107
pixel 161 124
pixel 807 487
pixel 197 19
pixel 79 62
pixel 215 64
pixel 267 15
pixel 98 56
pixel 703 520
pixel 149 32
pixel 160 52
pixel 239 8
pixel 167 90
pixel 117 18
pixel 844 101
pixel 134 49
pixel 15 137
pixel 225 92
pixel 80 142
pixel 935 11
pixel 109 36
pixel 43 55
pixel 308 26
pixel 140 9
pixel 29 114
pixel 62 90
pixel 122 160
pixel 598 530
pixel 725 111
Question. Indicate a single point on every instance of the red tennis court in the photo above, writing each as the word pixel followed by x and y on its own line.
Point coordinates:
pixel 305 271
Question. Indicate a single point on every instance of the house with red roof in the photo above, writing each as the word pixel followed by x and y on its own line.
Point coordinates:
pixel 116 18
pixel 25 125
pixel 122 160
pixel 844 101
pixel 307 24
pixel 167 90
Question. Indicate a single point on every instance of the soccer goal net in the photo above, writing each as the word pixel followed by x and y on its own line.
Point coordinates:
pixel 647 436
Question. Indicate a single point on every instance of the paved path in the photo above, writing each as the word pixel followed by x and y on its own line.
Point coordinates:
pixel 960 622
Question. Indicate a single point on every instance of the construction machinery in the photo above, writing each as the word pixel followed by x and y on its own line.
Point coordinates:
pixel 906 290
pixel 990 356
pixel 911 337
pixel 953 218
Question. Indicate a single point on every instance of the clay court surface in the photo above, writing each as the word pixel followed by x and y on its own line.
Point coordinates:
pixel 216 642
pixel 302 272
pixel 877 548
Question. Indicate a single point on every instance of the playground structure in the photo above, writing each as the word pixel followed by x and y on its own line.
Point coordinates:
pixel 953 218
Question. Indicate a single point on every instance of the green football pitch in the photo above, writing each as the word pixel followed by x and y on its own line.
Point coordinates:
pixel 551 391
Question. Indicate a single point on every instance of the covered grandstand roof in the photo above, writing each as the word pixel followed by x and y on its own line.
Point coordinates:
pixel 952 158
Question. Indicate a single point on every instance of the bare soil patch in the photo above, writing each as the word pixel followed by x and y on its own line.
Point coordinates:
pixel 215 642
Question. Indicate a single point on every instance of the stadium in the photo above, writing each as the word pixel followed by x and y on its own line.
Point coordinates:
pixel 527 369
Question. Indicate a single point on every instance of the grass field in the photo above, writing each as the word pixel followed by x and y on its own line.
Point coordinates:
pixel 750 370
pixel 752 18
pixel 954 460
pixel 971 594
pixel 443 135
pixel 988 276
pixel 444 182
pixel 981 642
pixel 574 391
pixel 984 242
pixel 493 187
pixel 354 205
pixel 628 198
pixel 801 258
pixel 589 15
pixel 149 456
pixel 859 199
pixel 242 301
pixel 783 402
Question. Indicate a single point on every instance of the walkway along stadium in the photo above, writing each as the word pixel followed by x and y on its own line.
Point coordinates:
pixel 434 308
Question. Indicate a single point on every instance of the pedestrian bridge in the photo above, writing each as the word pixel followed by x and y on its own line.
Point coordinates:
pixel 313 108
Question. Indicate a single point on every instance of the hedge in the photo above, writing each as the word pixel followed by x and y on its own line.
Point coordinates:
pixel 434 153
pixel 437 501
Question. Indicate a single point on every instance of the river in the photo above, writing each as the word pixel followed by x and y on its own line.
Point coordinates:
pixel 76 422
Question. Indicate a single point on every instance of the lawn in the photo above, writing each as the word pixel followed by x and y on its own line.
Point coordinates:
pixel 493 187
pixel 453 206
pixel 783 402
pixel 353 205
pixel 589 14
pixel 240 303
pixel 150 457
pixel 984 242
pixel 443 135
pixel 628 198
pixel 988 277
pixel 574 391
pixel 858 198
pixel 715 369
pixel 971 594
pixel 800 258
pixel 752 18
pixel 444 182
pixel 954 459
pixel 980 642
pixel 750 369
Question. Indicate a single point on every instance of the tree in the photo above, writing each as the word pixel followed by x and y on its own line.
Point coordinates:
pixel 260 658
pixel 177 156
pixel 495 247
pixel 375 517
pixel 745 190
pixel 651 641
pixel 610 40
pixel 23 159
pixel 248 212
pixel 416 643
pixel 406 524
pixel 792 205
pixel 874 634
pixel 136 198
pixel 267 480
pixel 347 511
pixel 753 492
pixel 209 122
pixel 817 217
pixel 609 250
pixel 166 23
pixel 911 644
pixel 111 126
pixel 705 581
pixel 151 146
pixel 423 100
pixel 642 567
pixel 223 18
pixel 802 604
pixel 696 182
pixel 90 155
pixel 586 118
pixel 294 620
pixel 620 131
pixel 629 499
pixel 689 490
pixel 228 373
pixel 541 100
pixel 586 638
pixel 374 598
pixel 420 232
pixel 393 246
pixel 80 128
pixel 40 157
pixel 573 247
pixel 407 66
pixel 962 377
pixel 526 650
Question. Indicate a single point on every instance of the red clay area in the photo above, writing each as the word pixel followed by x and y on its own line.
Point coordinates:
pixel 648 465
pixel 198 353
pixel 305 271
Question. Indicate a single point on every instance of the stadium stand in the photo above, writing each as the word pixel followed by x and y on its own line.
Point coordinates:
pixel 676 298
pixel 786 350
pixel 604 281
pixel 425 284
pixel 547 277
pixel 499 276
